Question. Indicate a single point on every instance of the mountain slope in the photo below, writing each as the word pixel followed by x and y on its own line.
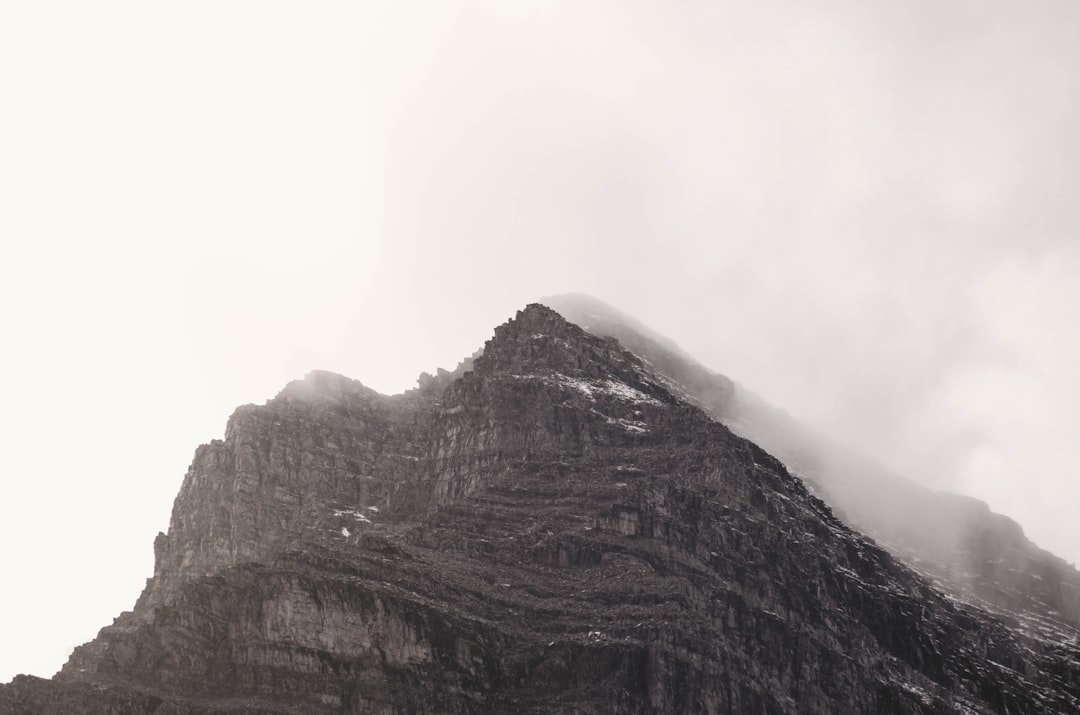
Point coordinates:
pixel 552 530
pixel 974 554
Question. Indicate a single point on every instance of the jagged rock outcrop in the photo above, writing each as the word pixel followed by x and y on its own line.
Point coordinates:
pixel 965 549
pixel 551 531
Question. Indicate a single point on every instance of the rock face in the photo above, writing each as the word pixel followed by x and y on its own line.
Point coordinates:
pixel 552 528
pixel 955 541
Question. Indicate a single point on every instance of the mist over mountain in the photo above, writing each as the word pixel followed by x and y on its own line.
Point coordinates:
pixel 567 522
pixel 865 212
pixel 954 540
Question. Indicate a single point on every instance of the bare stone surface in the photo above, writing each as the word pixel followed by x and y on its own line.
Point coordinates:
pixel 552 528
pixel 956 542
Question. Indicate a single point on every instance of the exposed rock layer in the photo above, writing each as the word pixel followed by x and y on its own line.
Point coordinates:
pixel 551 531
pixel 955 541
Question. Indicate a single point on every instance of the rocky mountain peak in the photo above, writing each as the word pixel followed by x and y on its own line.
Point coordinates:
pixel 552 531
pixel 325 385
pixel 964 548
pixel 538 340
pixel 540 343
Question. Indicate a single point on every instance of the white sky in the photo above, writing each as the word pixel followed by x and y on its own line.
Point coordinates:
pixel 865 211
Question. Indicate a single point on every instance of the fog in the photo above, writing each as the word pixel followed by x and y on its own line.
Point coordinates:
pixel 865 213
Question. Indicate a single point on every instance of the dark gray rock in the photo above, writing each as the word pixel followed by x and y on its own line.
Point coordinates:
pixel 552 531
pixel 973 554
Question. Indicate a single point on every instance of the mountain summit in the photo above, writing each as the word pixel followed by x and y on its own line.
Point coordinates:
pixel 955 541
pixel 557 526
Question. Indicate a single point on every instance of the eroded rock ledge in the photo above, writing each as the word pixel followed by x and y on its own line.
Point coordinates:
pixel 551 531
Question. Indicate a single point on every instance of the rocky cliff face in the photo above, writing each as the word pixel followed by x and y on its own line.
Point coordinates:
pixel 555 530
pixel 955 541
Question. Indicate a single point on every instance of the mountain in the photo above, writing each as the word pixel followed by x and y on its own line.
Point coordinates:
pixel 955 541
pixel 557 526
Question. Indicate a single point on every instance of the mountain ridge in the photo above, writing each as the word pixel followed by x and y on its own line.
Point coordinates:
pixel 871 498
pixel 551 530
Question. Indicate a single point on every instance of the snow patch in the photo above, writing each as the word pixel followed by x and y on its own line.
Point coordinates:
pixel 592 388
pixel 541 336
pixel 632 425
pixel 353 513
pixel 635 426
pixel 918 692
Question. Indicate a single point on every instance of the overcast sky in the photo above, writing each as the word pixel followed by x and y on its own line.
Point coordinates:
pixel 865 211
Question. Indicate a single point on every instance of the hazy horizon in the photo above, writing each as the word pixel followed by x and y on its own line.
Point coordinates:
pixel 865 214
